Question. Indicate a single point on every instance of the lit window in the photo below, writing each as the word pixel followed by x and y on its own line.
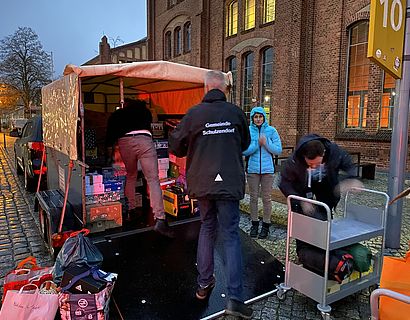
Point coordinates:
pixel 167 45
pixel 266 83
pixel 388 99
pixel 232 66
pixel 247 88
pixel 232 19
pixel 358 77
pixel 268 11
pixel 187 37
pixel 249 14
pixel 177 41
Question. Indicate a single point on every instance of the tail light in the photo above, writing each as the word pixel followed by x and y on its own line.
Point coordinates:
pixel 36 146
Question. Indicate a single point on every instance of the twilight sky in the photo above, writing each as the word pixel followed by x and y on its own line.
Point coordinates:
pixel 72 29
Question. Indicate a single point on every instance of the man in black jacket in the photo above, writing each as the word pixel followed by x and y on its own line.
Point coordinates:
pixel 312 171
pixel 213 135
pixel 131 127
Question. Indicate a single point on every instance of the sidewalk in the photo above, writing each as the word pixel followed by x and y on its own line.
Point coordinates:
pixel 19 232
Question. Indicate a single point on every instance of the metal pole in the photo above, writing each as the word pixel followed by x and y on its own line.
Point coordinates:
pixel 398 151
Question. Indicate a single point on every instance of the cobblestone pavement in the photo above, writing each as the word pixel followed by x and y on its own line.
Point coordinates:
pixel 19 232
pixel 20 236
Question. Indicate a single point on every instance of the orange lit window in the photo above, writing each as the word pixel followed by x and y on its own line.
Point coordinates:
pixel 358 77
pixel 388 99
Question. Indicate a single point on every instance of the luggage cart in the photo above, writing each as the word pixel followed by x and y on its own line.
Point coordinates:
pixel 359 223
pixel 374 300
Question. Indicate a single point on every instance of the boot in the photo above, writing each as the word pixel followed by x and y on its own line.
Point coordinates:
pixel 161 226
pixel 264 231
pixel 254 229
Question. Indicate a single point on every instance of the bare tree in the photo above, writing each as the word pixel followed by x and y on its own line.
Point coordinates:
pixel 115 41
pixel 24 65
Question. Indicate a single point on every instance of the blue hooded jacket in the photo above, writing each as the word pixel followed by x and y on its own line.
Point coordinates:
pixel 260 157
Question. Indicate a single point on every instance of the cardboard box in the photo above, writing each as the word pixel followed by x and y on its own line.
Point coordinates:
pixel 93 178
pixel 176 202
pixel 163 164
pixel 96 188
pixel 102 198
pixel 106 211
pixel 163 174
pixel 113 185
pixel 161 146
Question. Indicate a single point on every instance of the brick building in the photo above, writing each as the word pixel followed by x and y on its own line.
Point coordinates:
pixel 130 52
pixel 304 60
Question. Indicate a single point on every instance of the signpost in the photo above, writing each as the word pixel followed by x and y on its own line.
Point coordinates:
pixel 386 40
pixel 386 35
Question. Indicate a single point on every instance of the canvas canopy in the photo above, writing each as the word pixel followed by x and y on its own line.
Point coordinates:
pixel 173 87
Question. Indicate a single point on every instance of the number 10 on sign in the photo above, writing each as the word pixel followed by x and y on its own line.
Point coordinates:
pixel 386 34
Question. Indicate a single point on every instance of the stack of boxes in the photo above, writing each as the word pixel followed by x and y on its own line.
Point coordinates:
pixel 103 192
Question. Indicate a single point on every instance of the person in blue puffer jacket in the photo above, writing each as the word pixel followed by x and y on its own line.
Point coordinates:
pixel 265 142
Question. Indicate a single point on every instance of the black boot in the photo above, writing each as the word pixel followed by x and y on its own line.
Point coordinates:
pixel 264 231
pixel 254 229
pixel 162 227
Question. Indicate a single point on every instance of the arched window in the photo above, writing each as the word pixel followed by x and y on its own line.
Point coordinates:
pixel 187 37
pixel 268 10
pixel 232 19
pixel 232 66
pixel 388 99
pixel 249 14
pixel 167 45
pixel 247 82
pixel 177 41
pixel 266 79
pixel 358 76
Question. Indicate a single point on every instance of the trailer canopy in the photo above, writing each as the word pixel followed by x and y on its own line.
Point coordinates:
pixel 173 87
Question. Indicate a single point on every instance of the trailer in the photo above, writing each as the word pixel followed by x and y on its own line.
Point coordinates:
pixel 75 113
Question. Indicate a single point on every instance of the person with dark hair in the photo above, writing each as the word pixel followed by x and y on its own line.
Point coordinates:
pixel 265 142
pixel 213 135
pixel 131 128
pixel 312 171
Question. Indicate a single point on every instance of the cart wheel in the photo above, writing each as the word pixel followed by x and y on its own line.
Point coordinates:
pixel 281 294
pixel 325 316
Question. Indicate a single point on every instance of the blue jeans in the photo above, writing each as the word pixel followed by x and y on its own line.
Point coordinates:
pixel 226 214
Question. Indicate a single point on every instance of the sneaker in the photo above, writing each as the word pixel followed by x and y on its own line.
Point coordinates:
pixel 204 292
pixel 238 309
pixel 162 227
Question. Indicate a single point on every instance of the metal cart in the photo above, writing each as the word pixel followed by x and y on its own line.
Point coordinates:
pixel 374 300
pixel 359 223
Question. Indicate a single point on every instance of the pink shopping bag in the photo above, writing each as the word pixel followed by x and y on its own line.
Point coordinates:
pixel 29 305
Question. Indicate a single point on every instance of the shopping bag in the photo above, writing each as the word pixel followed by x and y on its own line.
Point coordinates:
pixel 87 306
pixel 29 305
pixel 77 250
pixel 27 271
pixel 395 276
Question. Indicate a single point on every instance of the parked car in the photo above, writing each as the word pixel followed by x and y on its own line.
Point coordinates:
pixel 28 150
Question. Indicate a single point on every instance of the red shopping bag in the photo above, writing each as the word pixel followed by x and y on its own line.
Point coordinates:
pixel 396 277
pixel 29 305
pixel 27 271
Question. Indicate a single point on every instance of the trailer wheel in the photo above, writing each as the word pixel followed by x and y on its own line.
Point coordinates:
pixel 281 294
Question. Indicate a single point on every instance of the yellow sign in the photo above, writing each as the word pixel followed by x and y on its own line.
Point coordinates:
pixel 386 34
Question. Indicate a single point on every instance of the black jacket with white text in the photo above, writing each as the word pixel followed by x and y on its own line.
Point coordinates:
pixel 213 135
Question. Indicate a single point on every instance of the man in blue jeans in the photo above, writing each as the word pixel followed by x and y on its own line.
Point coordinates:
pixel 213 135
